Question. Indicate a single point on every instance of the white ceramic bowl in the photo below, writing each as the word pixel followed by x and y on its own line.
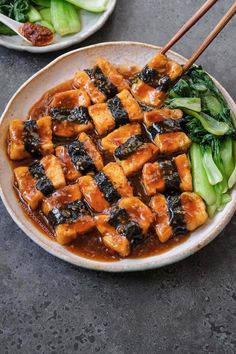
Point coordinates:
pixel 61 69
pixel 91 23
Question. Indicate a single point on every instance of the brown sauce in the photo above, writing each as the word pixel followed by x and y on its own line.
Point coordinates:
pixel 90 245
pixel 38 35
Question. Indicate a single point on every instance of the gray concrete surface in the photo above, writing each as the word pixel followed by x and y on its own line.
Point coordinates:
pixel 48 306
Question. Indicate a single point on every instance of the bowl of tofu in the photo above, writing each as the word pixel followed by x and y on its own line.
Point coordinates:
pixel 49 179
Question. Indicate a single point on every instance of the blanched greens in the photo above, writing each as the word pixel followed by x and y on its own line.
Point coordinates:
pixel 212 129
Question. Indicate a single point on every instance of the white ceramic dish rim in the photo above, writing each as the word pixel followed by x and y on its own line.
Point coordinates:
pixel 155 261
pixel 71 40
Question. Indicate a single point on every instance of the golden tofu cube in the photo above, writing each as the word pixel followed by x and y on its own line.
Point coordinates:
pixel 194 210
pixel 82 80
pixel 119 136
pixel 69 170
pixel 92 194
pixel 16 141
pixel 92 151
pixel 17 149
pixel 70 99
pixel 102 118
pixel 27 187
pixel 116 175
pixel 136 161
pixel 112 74
pixel 138 211
pixel 162 225
pixel 111 238
pixel 53 171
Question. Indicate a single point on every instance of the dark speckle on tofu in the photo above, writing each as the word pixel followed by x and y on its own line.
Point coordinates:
pixel 120 219
pixel 80 158
pixel 43 184
pixel 106 187
pixel 31 138
pixel 68 214
pixel 176 215
pixel 129 147
pixel 165 126
pixel 77 115
pixel 102 82
pixel 118 111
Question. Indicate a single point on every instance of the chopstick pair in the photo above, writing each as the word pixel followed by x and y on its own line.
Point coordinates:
pixel 207 41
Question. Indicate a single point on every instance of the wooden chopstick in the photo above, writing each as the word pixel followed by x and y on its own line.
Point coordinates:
pixel 218 28
pixel 203 9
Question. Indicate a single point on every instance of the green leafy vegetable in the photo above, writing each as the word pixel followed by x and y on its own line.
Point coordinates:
pixel 210 124
pixel 90 5
pixel 46 24
pixel 65 18
pixel 193 103
pixel 213 173
pixel 6 30
pixel 200 180
pixel 15 9
pixel 33 14
pixel 46 14
pixel 212 129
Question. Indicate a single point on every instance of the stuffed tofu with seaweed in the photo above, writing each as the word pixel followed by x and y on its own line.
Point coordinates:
pixel 114 169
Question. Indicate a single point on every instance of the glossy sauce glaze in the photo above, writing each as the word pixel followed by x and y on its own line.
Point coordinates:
pixel 90 245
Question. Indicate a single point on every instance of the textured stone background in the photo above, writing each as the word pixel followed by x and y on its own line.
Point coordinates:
pixel 48 306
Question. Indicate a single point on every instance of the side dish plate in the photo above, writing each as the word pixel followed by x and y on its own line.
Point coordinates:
pixel 90 22
pixel 60 70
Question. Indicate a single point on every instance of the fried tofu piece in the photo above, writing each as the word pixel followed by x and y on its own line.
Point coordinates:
pixel 111 238
pixel 16 147
pixel 184 171
pixel 67 194
pixel 162 224
pixel 90 80
pixel 30 188
pixel 138 211
pixel 152 85
pixel 71 99
pixel 136 161
pixel 170 141
pixel 45 133
pixel 158 115
pixel 90 151
pixel 153 176
pixel 70 104
pixel 82 80
pixel 194 213
pixel 92 194
pixel 102 118
pixel 67 232
pixel 69 169
pixel 116 175
pixel 27 187
pixel 112 74
pixel 120 136
pixel 17 136
pixel 165 66
pixel 194 209
pixel 69 129
pixel 102 115
pixel 147 94
pixel 53 171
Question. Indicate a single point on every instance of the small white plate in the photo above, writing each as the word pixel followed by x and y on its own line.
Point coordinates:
pixel 90 23
pixel 60 70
